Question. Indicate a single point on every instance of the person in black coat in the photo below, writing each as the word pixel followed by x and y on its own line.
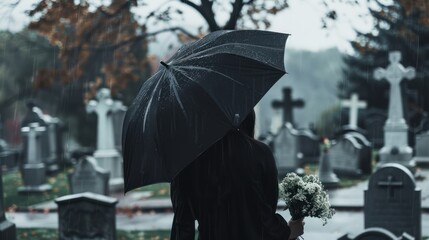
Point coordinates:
pixel 232 191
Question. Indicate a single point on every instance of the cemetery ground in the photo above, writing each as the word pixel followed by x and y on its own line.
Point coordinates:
pixel 148 216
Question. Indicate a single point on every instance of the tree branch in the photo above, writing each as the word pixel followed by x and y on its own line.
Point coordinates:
pixel 235 14
pixel 143 36
pixel 206 11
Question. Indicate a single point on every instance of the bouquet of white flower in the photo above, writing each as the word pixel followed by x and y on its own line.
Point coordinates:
pixel 305 197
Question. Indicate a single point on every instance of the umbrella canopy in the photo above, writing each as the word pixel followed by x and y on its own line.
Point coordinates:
pixel 207 88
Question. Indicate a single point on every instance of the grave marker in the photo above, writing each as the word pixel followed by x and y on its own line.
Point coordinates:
pixel 393 202
pixel 395 147
pixel 7 229
pixel 354 105
pixel 33 171
pixel 287 104
pixel 284 144
pixel 422 149
pixel 89 177
pixel 106 154
pixel 86 216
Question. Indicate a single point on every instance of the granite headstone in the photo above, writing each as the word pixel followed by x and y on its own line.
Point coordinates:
pixel 89 177
pixel 33 171
pixel 393 202
pixel 86 216
pixel 7 229
pixel 284 144
pixel 422 149
pixel 376 234
pixel 396 148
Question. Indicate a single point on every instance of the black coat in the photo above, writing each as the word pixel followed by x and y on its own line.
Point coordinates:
pixel 230 200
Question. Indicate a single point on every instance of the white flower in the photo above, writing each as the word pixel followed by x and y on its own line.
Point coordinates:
pixel 305 197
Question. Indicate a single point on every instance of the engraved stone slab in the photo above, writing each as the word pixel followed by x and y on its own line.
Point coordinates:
pixel 422 149
pixel 376 234
pixel 351 155
pixel 87 216
pixel 393 202
pixel 284 145
pixel 7 229
pixel 89 177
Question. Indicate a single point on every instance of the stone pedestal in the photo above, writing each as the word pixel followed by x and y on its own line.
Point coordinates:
pixel 34 179
pixel 7 229
pixel 111 159
pixel 326 174
pixel 396 149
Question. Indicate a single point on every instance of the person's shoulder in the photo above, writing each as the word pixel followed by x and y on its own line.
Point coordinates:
pixel 262 147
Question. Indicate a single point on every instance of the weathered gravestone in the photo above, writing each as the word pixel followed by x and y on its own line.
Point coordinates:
pixel 89 177
pixel 422 149
pixel 287 104
pixel 87 216
pixel 351 156
pixel 326 174
pixel 395 147
pixel 393 202
pixel 284 144
pixel 376 234
pixel 308 147
pixel 33 171
pixel 106 154
pixel 8 157
pixel 7 229
pixel 52 145
pixel 118 122
pixel 374 124
pixel 354 105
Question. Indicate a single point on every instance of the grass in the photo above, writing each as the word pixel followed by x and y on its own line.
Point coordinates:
pixel 160 190
pixel 12 199
pixel 50 234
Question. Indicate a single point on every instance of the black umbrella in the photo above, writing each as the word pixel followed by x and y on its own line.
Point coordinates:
pixel 207 88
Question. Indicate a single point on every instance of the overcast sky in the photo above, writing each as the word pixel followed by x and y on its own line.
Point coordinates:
pixel 301 19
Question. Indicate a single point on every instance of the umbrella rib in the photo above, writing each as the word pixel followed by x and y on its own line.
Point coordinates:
pixel 174 86
pixel 211 70
pixel 195 54
pixel 150 101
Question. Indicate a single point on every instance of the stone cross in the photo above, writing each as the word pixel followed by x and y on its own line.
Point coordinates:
pixel 287 105
pixel 390 184
pixel 354 105
pixel 104 108
pixel 33 131
pixel 394 74
pixel 2 216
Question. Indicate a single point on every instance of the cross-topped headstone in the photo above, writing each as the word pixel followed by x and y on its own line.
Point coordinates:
pixel 34 171
pixel 395 147
pixel 394 74
pixel 287 104
pixel 33 131
pixel 390 185
pixel 7 229
pixel 104 108
pixel 106 154
pixel 398 211
pixel 354 105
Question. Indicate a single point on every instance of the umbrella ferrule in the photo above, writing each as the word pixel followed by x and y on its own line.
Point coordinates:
pixel 236 123
pixel 164 64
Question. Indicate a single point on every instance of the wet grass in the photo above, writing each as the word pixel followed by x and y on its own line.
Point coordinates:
pixel 160 190
pixel 12 180
pixel 12 199
pixel 51 234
